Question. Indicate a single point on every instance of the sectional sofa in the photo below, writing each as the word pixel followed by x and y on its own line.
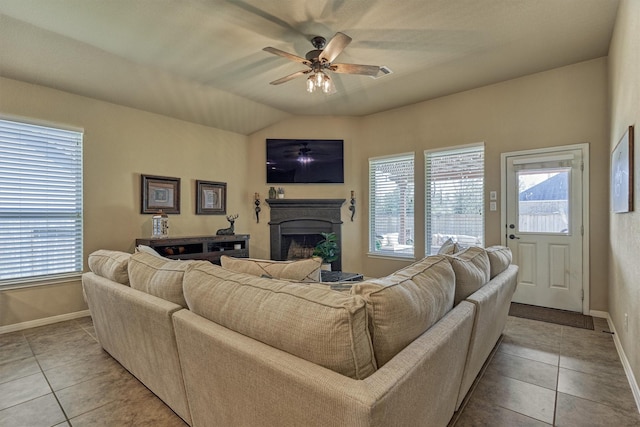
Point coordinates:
pixel 225 347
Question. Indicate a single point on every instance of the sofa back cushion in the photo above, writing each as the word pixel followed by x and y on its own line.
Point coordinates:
pixel 161 277
pixel 317 324
pixel 304 270
pixel 404 305
pixel 111 265
pixel 500 258
pixel 472 271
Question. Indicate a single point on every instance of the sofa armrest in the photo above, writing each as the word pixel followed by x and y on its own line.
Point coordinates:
pixel 234 380
pixel 492 303
pixel 137 330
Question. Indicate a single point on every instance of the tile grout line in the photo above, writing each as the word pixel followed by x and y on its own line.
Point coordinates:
pixel 55 396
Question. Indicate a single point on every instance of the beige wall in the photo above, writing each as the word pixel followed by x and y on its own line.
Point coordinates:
pixel 120 144
pixel 559 107
pixel 624 282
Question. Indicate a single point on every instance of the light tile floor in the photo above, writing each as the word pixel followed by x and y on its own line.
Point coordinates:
pixel 540 374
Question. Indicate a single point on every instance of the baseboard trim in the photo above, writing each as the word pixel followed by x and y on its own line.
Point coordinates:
pixel 41 322
pixel 599 314
pixel 625 363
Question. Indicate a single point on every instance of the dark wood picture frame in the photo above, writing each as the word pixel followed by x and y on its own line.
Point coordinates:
pixel 622 174
pixel 159 193
pixel 211 198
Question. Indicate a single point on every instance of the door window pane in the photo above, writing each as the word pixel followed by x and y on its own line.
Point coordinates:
pixel 543 201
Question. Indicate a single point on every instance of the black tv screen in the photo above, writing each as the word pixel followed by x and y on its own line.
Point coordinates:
pixel 305 161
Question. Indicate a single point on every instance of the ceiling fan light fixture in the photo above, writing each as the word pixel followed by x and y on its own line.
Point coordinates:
pixel 321 59
pixel 327 85
pixel 311 84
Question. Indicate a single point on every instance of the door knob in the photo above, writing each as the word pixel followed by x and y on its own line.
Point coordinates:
pixel 511 236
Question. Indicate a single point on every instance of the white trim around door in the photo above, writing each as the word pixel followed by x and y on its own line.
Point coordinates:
pixel 584 147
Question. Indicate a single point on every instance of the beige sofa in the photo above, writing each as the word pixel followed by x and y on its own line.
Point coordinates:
pixel 229 348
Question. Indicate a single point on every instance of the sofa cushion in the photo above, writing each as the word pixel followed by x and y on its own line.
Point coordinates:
pixel 111 265
pixel 472 271
pixel 161 277
pixel 405 304
pixel 314 323
pixel 500 258
pixel 305 270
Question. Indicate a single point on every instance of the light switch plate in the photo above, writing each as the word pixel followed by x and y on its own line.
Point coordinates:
pixel 493 206
pixel 493 195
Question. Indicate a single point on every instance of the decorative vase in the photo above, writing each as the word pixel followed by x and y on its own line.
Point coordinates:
pixel 272 193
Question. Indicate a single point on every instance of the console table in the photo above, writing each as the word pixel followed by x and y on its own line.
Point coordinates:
pixel 209 248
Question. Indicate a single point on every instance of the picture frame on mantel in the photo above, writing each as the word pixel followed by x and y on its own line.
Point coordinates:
pixel 622 174
pixel 159 193
pixel 211 198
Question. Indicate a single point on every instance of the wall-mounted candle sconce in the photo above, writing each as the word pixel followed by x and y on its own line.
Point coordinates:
pixel 257 203
pixel 352 208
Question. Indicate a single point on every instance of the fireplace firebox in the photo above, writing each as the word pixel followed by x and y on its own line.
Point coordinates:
pixel 296 225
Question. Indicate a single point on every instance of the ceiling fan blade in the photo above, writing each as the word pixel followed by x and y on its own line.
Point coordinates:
pixel 290 77
pixel 287 55
pixel 367 70
pixel 335 46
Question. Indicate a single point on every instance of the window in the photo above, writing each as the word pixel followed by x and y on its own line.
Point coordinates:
pixel 391 206
pixel 454 189
pixel 40 202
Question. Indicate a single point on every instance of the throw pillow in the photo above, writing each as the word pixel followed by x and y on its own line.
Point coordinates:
pixel 404 305
pixel 159 276
pixel 304 270
pixel 500 258
pixel 148 249
pixel 472 269
pixel 312 322
pixel 111 265
pixel 447 248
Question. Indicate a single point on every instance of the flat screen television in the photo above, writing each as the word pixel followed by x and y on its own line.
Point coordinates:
pixel 305 161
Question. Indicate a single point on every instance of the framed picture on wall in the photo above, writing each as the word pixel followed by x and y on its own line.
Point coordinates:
pixel 622 174
pixel 160 193
pixel 211 198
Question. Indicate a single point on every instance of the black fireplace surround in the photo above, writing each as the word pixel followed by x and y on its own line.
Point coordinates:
pixel 302 220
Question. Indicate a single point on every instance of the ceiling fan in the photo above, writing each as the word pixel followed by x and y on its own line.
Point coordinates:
pixel 320 61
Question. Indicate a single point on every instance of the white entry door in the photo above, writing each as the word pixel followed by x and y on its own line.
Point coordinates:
pixel 544 226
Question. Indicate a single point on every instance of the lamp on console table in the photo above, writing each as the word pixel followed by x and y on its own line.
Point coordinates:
pixel 160 225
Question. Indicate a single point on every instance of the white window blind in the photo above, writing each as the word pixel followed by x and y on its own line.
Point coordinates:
pixel 454 189
pixel 391 205
pixel 40 202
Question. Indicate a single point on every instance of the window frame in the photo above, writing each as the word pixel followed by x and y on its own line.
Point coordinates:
pixel 372 251
pixel 74 272
pixel 454 150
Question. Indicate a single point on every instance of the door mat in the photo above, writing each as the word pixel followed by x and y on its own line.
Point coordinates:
pixel 551 315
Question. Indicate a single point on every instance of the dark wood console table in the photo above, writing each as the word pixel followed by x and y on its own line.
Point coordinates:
pixel 209 248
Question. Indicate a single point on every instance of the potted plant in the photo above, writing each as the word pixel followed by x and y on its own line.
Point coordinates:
pixel 327 249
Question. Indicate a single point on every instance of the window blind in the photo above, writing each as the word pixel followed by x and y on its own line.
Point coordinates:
pixel 391 205
pixel 40 202
pixel 454 194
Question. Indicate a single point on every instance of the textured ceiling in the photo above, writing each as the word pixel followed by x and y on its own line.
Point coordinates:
pixel 202 60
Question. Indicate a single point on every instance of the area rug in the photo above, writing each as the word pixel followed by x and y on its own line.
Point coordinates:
pixel 551 315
